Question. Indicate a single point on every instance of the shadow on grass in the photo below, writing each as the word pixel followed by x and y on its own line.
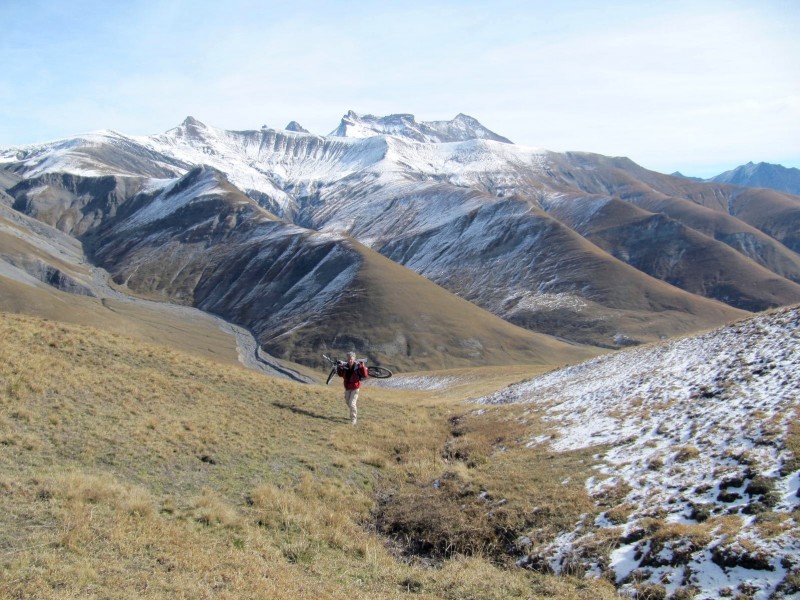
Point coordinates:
pixel 307 413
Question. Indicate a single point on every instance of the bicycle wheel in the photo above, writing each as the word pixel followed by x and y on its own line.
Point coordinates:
pixel 379 372
pixel 330 375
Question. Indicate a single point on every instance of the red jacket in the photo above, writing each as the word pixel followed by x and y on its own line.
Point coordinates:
pixel 352 375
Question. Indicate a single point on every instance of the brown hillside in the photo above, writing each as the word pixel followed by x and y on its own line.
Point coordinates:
pixel 759 223
pixel 773 212
pixel 185 330
pixel 666 249
pixel 402 320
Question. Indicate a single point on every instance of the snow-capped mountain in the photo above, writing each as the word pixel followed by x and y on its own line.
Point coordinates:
pixel 694 432
pixel 589 248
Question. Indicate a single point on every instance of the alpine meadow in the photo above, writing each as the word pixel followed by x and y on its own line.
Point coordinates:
pixel 595 389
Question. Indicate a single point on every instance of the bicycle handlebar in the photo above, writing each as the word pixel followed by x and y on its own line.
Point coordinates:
pixel 334 361
pixel 377 372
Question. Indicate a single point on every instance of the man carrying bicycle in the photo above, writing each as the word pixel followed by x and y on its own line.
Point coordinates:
pixel 352 373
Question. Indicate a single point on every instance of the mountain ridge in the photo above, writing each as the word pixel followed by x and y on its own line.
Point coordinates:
pixel 521 232
pixel 200 241
pixel 764 175
pixel 461 128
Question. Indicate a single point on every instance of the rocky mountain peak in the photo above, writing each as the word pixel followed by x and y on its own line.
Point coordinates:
pixel 764 175
pixel 192 122
pixel 189 128
pixel 459 129
pixel 295 126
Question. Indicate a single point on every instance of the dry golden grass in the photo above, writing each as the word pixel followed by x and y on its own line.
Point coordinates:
pixel 131 470
pixel 792 442
pixel 493 491
pixel 149 323
pixel 619 514
pixel 686 453
pixel 772 524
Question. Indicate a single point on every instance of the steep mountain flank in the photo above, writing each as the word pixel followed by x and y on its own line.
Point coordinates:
pixel 303 292
pixel 73 204
pixel 500 255
pixel 715 210
pixel 44 272
pixel 774 213
pixel 663 247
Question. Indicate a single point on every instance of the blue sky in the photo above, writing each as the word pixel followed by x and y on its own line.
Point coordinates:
pixel 698 86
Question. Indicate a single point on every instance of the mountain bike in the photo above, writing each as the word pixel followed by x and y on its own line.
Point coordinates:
pixel 372 370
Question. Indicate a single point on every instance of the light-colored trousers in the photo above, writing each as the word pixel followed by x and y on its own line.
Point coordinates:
pixel 351 399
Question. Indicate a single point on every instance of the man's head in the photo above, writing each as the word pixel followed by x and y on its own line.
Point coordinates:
pixel 351 357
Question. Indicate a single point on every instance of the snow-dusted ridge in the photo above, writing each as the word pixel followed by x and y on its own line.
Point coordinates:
pixel 694 429
pixel 279 162
pixel 461 128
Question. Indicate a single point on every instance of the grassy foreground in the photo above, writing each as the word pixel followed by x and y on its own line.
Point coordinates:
pixel 130 470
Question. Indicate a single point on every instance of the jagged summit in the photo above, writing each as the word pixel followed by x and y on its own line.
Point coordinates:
pixel 189 127
pixel 467 126
pixel 295 126
pixel 461 128
pixel 353 125
pixel 191 123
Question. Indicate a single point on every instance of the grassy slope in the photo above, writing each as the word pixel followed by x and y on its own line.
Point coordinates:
pixel 428 327
pixel 708 267
pixel 130 470
pixel 146 323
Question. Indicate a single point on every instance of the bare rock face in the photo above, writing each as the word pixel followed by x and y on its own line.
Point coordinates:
pixel 295 126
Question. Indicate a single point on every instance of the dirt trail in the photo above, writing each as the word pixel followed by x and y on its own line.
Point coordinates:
pixel 31 246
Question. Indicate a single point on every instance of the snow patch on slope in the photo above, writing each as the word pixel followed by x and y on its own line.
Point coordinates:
pixel 462 127
pixel 689 427
pixel 167 202
pixel 465 163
